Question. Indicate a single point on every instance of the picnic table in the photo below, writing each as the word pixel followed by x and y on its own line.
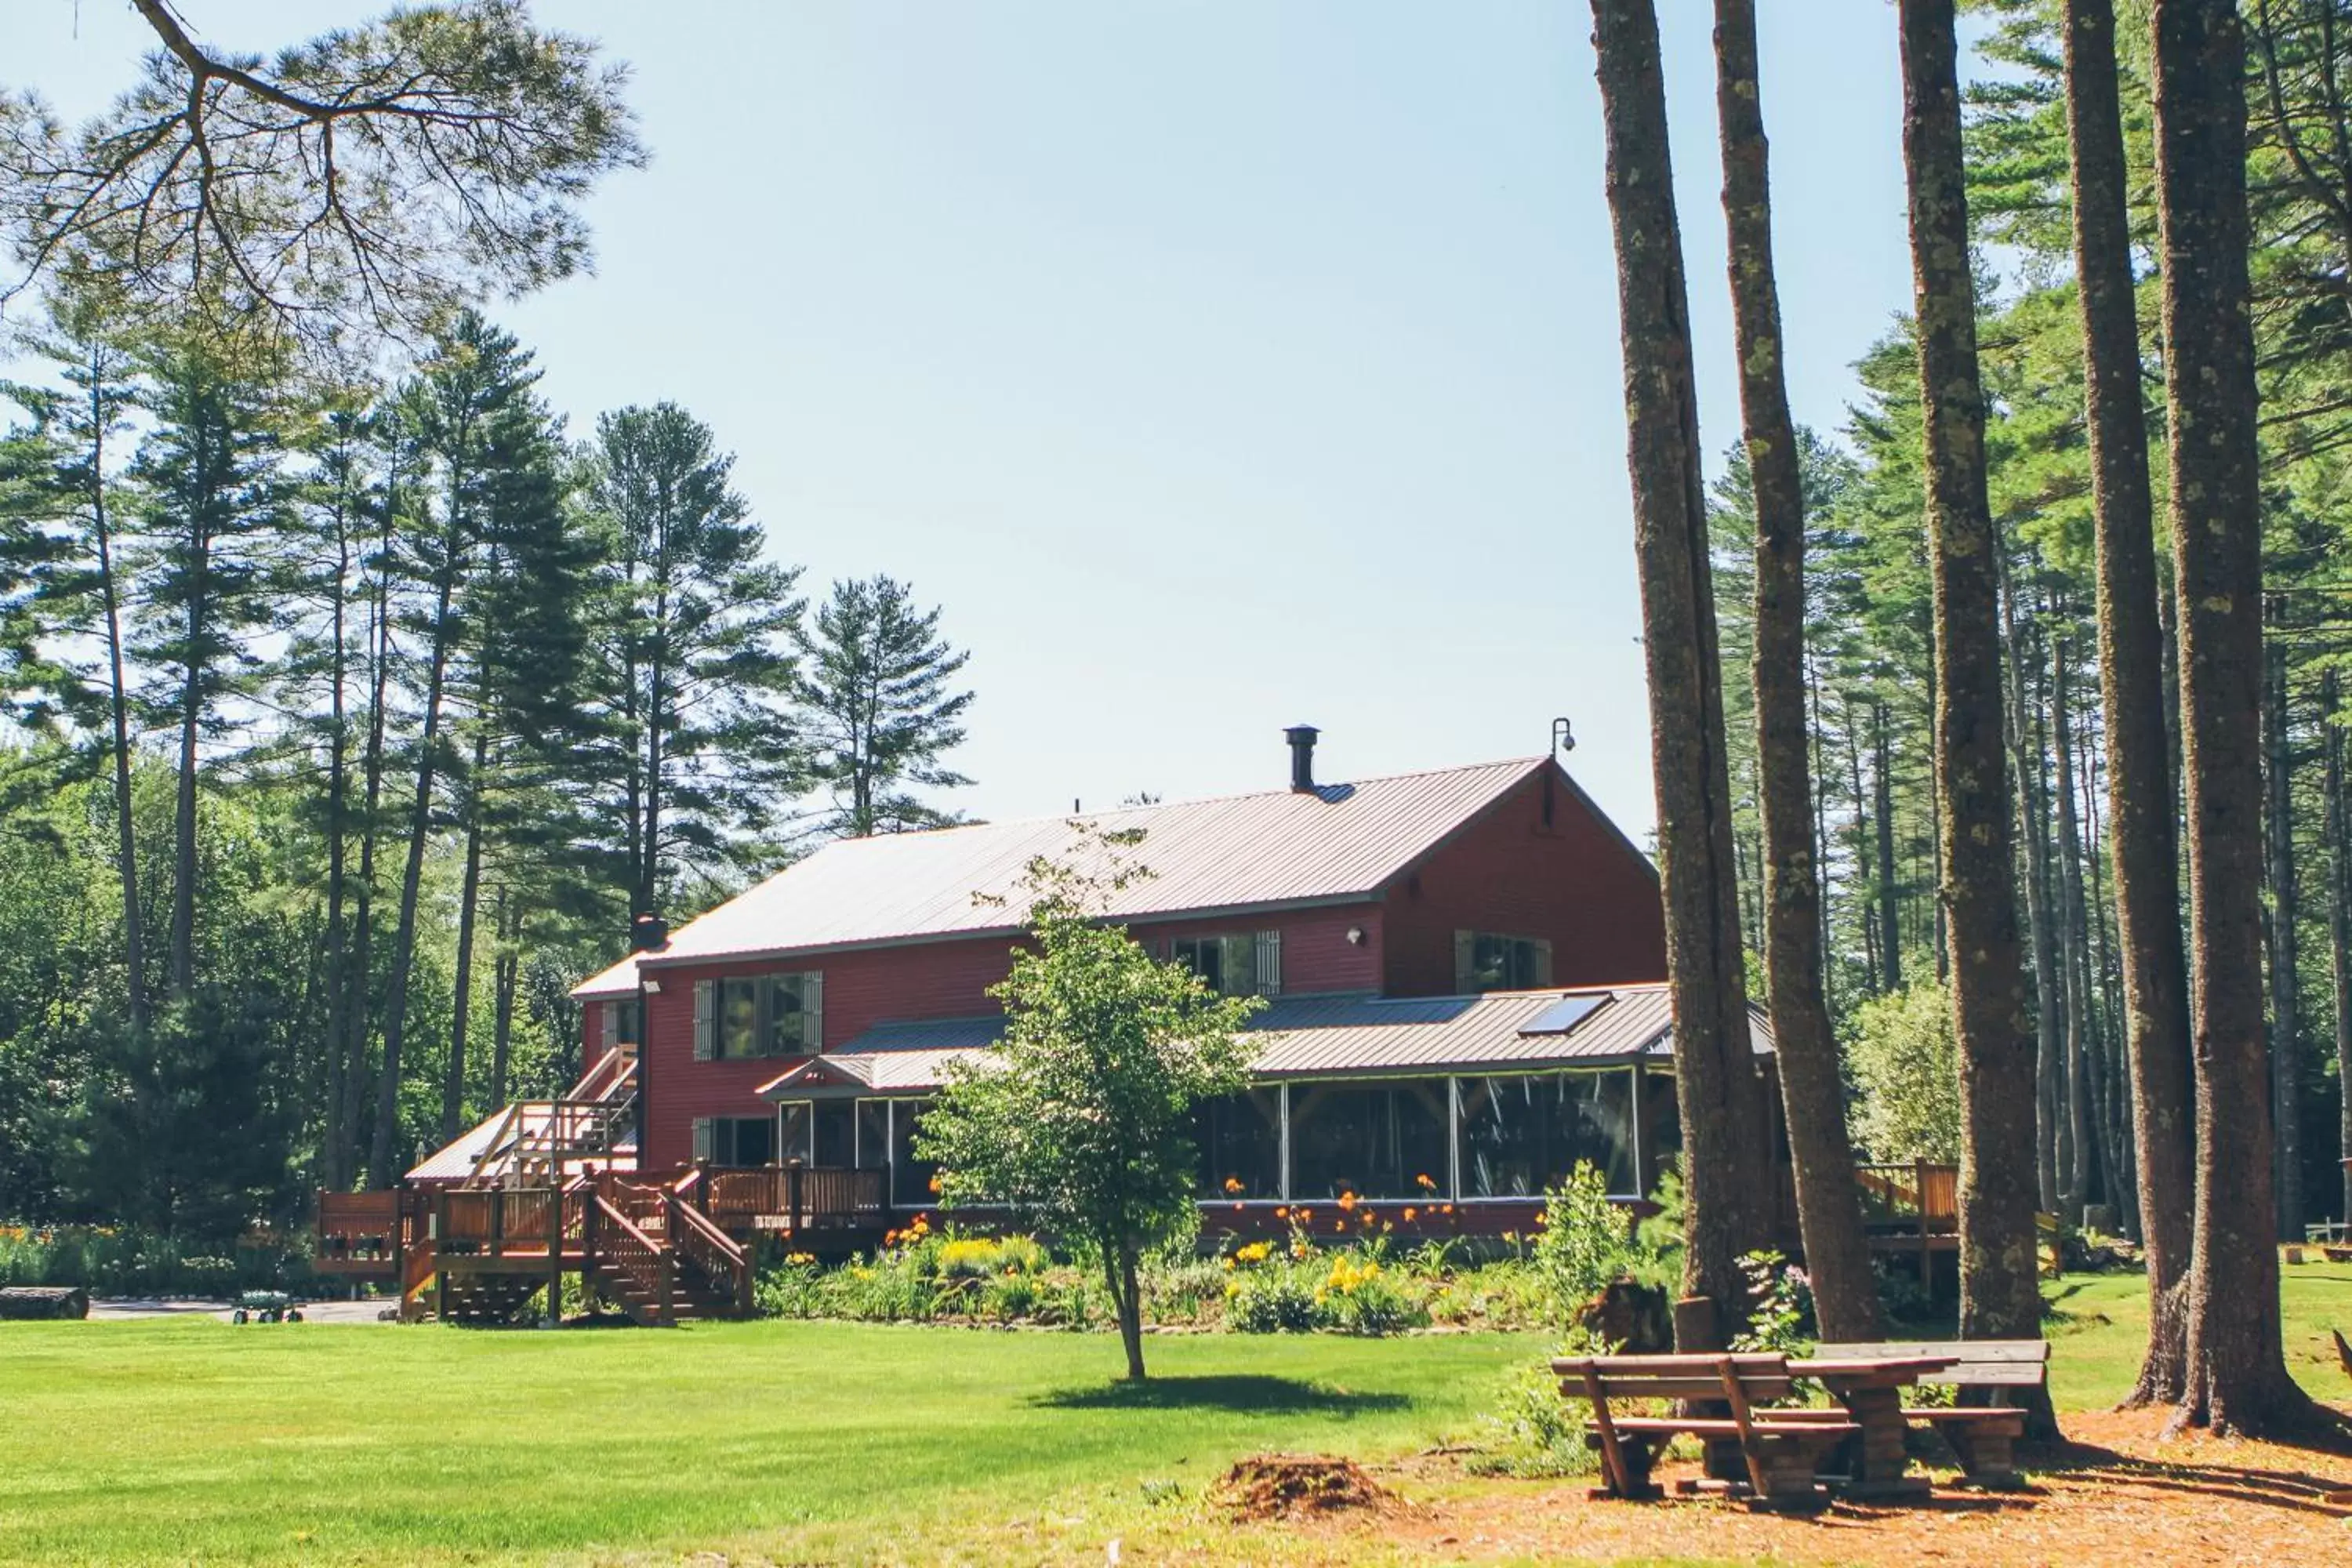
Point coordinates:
pixel 1980 1435
pixel 1870 1388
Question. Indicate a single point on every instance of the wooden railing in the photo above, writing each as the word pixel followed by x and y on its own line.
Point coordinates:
pixel 795 1198
pixel 358 1230
pixel 723 1261
pixel 495 1221
pixel 636 1255
pixel 1919 1196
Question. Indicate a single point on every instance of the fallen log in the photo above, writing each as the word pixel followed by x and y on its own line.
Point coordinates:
pixel 31 1301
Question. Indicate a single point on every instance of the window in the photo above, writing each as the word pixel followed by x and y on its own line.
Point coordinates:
pixel 735 1140
pixel 619 1023
pixel 1241 1145
pixel 758 1015
pixel 1374 1140
pixel 1484 962
pixel 1525 1134
pixel 1246 964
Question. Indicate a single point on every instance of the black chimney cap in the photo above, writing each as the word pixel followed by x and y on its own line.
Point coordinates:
pixel 648 932
pixel 1302 755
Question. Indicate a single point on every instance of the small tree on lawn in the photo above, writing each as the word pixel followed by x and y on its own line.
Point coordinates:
pixel 1083 1120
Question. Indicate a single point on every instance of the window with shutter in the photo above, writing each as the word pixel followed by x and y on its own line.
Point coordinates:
pixel 702 1140
pixel 1269 964
pixel 706 1020
pixel 1484 960
pixel 612 1024
pixel 812 1011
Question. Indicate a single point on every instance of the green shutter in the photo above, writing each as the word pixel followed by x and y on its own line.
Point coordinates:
pixel 612 1032
pixel 706 1022
pixel 702 1134
pixel 812 1011
pixel 1465 962
pixel 1269 964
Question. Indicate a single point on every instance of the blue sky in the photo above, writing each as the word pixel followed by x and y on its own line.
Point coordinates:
pixel 1218 366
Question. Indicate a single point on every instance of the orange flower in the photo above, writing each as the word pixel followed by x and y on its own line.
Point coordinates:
pixel 1347 1199
pixel 1408 1214
pixel 1282 1213
pixel 1447 1209
pixel 1232 1186
pixel 1425 1185
pixel 935 1183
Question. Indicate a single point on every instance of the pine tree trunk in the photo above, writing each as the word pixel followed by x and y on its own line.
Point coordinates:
pixel 2287 1051
pixel 380 1171
pixel 2340 920
pixel 1890 911
pixel 2000 1295
pixel 2236 1372
pixel 118 700
pixel 2050 1144
pixel 469 892
pixel 337 1139
pixel 506 974
pixel 356 1010
pixel 2081 1098
pixel 1719 1091
pixel 1812 1084
pixel 182 976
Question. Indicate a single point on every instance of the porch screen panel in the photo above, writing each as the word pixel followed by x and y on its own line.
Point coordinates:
pixel 834 1124
pixel 911 1179
pixel 1240 1141
pixel 1374 1140
pixel 793 1133
pixel 1662 1124
pixel 873 1134
pixel 1524 1134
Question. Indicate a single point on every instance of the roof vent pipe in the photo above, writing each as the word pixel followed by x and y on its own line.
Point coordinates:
pixel 648 933
pixel 1302 756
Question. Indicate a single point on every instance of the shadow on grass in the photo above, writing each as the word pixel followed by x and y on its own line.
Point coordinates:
pixel 1242 1392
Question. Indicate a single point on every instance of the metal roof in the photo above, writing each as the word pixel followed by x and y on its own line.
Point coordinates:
pixel 620 981
pixel 1319 1037
pixel 1330 845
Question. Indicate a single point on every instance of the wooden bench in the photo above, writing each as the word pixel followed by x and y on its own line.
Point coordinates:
pixel 1781 1455
pixel 1981 1436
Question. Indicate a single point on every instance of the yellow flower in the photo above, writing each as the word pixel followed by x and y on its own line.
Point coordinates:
pixel 1233 1289
pixel 1255 1252
pixel 1229 1265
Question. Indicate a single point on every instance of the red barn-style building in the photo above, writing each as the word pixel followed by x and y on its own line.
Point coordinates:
pixel 1464 972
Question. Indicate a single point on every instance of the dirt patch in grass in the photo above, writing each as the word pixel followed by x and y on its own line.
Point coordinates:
pixel 1302 1486
pixel 2117 1492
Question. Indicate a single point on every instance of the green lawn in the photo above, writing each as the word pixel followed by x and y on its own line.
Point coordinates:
pixel 191 1441
pixel 194 1441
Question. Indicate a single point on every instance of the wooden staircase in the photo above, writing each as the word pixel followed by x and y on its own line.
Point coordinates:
pixel 487 1300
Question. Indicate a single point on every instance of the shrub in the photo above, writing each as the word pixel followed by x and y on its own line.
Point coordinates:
pixel 1359 1296
pixel 1532 1430
pixel 1781 1315
pixel 1905 1068
pixel 1272 1300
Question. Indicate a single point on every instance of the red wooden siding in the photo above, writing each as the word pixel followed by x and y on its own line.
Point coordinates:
pixel 1574 883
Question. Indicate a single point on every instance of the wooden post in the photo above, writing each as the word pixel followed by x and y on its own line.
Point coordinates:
pixel 793 1174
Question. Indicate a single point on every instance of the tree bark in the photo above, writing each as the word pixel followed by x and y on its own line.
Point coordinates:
pixel 2000 1294
pixel 1717 1089
pixel 2082 1097
pixel 2050 1144
pixel 1813 1086
pixel 1127 1301
pixel 337 1140
pixel 2287 1058
pixel 2339 917
pixel 183 977
pixel 2236 1370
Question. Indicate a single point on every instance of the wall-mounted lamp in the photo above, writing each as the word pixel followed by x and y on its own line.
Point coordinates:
pixel 653 987
pixel 1355 936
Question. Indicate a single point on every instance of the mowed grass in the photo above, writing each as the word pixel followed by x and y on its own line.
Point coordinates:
pixel 192 1441
pixel 2101 1326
